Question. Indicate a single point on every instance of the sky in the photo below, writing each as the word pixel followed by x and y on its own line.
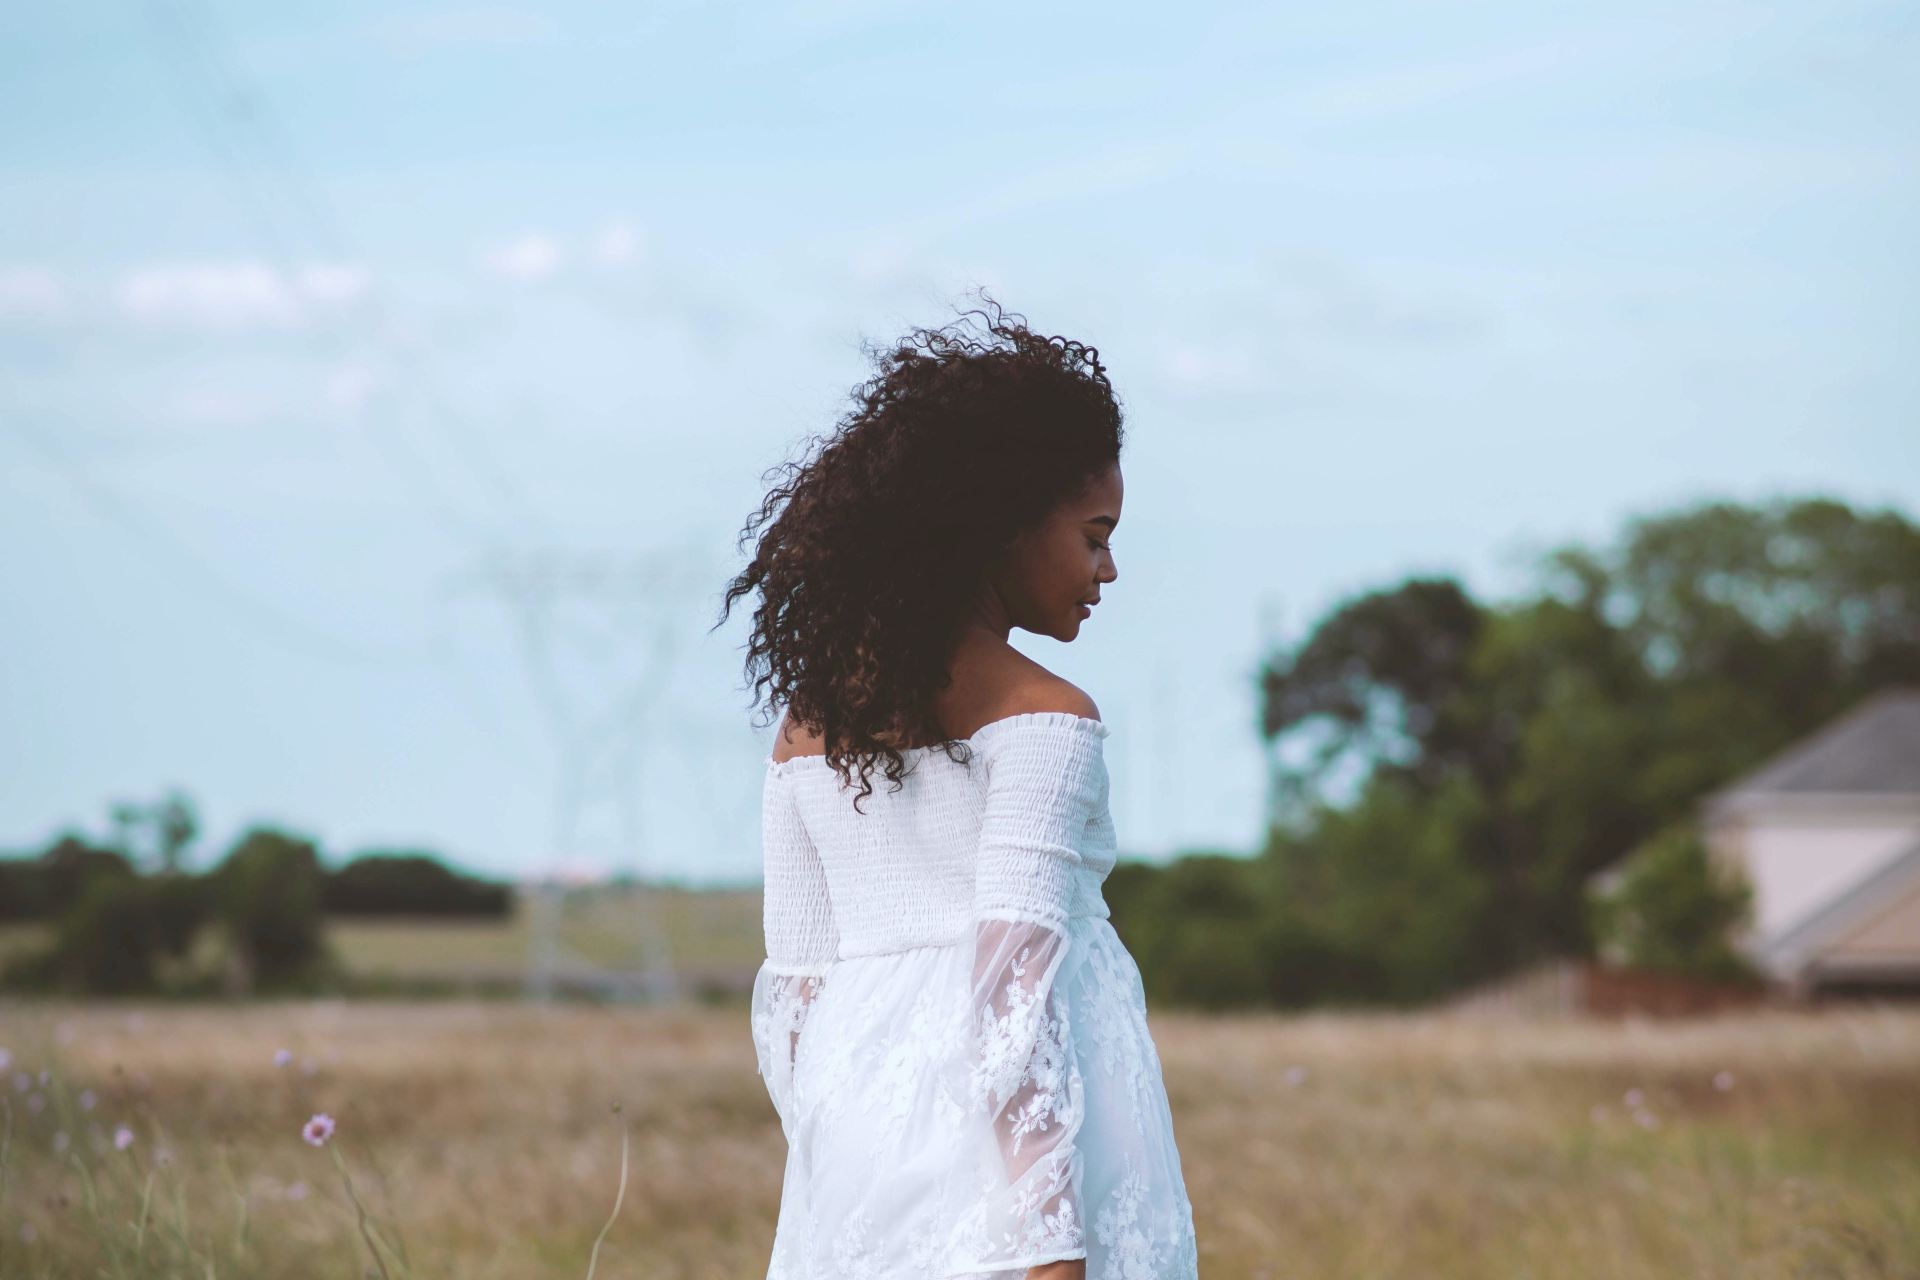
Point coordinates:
pixel 383 387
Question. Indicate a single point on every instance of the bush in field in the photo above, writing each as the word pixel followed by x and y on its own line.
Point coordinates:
pixel 114 938
pixel 1673 909
pixel 268 893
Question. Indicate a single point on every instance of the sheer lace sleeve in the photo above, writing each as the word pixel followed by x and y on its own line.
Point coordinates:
pixel 1024 1089
pixel 801 941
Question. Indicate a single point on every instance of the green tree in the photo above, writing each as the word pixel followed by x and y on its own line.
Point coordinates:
pixel 269 893
pixel 1497 756
pixel 112 940
pixel 157 834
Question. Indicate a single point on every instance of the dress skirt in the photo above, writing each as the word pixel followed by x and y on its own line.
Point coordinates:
pixel 881 1179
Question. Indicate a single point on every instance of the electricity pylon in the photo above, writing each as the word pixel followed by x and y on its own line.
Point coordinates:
pixel 599 634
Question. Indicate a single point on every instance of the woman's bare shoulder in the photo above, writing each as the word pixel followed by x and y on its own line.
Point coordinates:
pixel 995 685
pixel 795 739
pixel 1055 694
pixel 987 686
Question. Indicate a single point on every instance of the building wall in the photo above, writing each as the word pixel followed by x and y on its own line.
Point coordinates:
pixel 1798 861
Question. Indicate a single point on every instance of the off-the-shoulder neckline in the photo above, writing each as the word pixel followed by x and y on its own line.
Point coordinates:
pixel 1057 719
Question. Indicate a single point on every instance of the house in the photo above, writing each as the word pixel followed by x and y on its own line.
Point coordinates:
pixel 1828 834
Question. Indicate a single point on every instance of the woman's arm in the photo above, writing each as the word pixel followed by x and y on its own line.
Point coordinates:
pixel 802 940
pixel 1023 1095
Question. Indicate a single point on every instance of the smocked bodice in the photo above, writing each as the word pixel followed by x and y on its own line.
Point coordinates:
pixel 902 870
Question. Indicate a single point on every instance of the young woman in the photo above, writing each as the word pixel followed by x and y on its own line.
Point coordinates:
pixel 950 1031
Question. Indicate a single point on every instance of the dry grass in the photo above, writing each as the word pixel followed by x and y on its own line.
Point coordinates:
pixel 1327 1146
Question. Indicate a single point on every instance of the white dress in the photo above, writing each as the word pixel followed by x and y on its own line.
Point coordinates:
pixel 952 1034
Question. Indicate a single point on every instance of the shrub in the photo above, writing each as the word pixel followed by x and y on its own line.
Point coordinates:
pixel 268 892
pixel 1674 910
pixel 112 940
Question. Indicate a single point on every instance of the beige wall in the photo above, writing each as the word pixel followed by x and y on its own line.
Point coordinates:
pixel 1798 862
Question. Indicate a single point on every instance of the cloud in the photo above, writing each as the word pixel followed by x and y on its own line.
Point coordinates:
pixel 33 293
pixel 235 294
pixel 617 244
pixel 533 256
pixel 326 283
pixel 539 255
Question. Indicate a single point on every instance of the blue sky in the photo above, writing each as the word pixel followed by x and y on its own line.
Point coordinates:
pixel 381 387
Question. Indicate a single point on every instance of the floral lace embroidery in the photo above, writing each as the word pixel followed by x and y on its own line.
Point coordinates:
pixel 1130 1253
pixel 777 1025
pixel 1025 1051
pixel 1120 1029
pixel 853 1254
pixel 906 1059
pixel 1006 1041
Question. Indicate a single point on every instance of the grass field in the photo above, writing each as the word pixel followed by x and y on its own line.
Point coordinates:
pixel 712 936
pixel 483 1135
pixel 707 932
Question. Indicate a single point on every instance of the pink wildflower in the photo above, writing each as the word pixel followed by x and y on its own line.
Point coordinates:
pixel 122 1138
pixel 282 1057
pixel 318 1130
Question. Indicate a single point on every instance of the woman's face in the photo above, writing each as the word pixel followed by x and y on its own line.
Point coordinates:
pixel 1053 575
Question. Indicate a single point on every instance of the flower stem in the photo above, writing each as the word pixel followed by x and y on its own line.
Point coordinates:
pixel 618 1199
pixel 367 1232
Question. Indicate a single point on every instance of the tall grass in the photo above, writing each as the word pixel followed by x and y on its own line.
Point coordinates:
pixel 479 1140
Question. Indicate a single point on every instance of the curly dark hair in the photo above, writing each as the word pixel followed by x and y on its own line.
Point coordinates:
pixel 875 547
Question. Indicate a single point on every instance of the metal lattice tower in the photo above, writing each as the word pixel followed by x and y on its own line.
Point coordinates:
pixel 599 637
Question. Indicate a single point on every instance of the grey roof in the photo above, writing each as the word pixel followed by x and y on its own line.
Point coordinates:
pixel 1873 749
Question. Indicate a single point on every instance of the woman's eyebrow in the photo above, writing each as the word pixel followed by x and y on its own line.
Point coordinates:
pixel 1108 521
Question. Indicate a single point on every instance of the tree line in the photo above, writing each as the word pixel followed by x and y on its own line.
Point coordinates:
pixel 128 917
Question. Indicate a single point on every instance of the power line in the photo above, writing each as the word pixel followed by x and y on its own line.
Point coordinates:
pixel 235 118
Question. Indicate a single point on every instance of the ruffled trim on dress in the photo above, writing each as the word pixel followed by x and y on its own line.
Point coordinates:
pixel 1044 719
